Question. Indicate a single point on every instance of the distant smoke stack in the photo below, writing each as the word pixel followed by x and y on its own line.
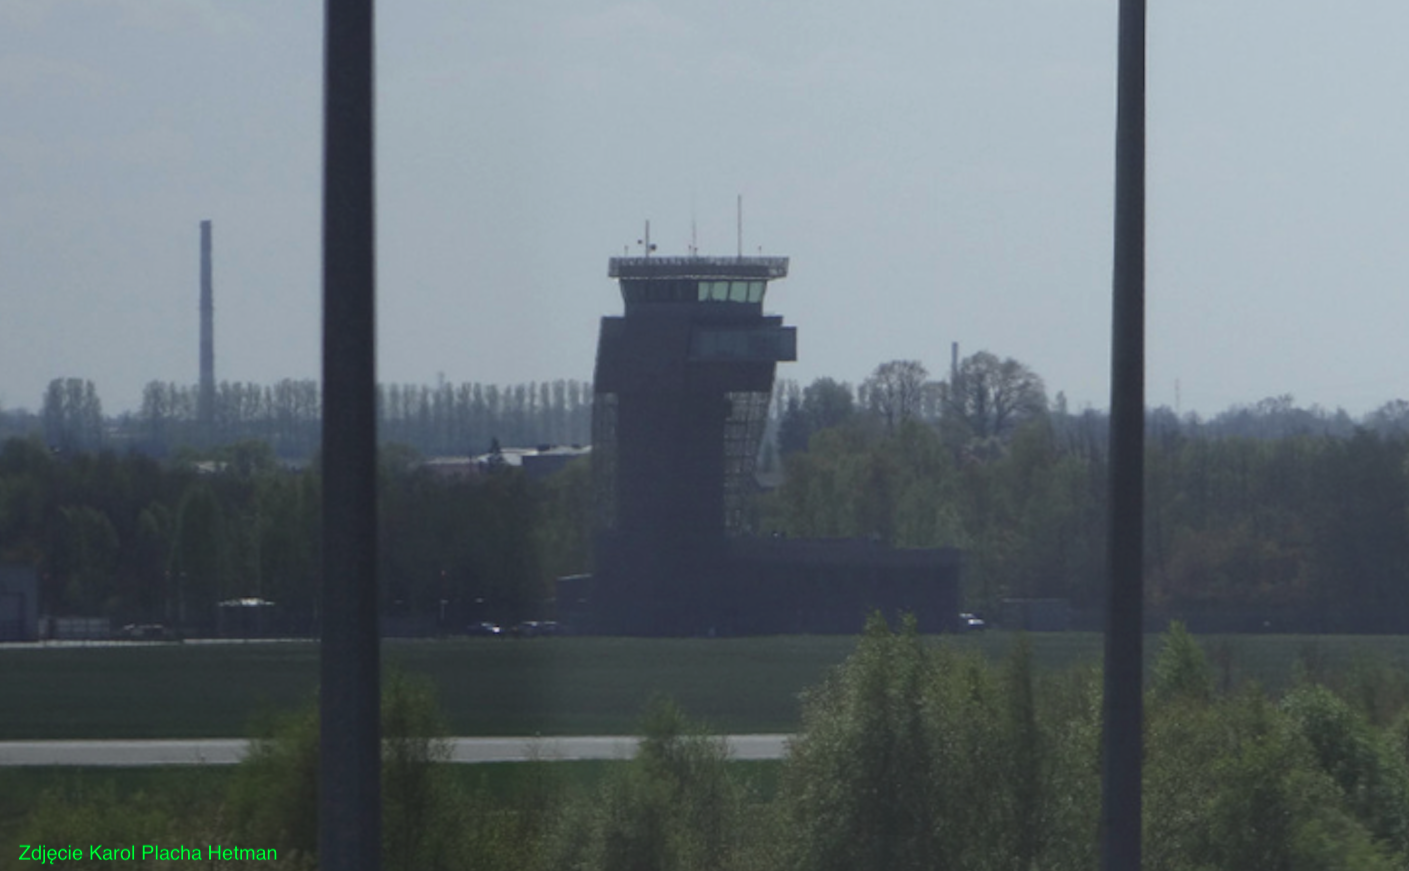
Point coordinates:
pixel 207 395
pixel 953 363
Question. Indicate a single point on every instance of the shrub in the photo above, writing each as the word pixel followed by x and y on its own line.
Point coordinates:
pixel 1363 763
pixel 1070 720
pixel 419 801
pixel 912 757
pixel 675 806
pixel 1377 688
pixel 86 817
pixel 1238 783
pixel 861 778
pixel 273 796
pixel 1181 672
pixel 274 793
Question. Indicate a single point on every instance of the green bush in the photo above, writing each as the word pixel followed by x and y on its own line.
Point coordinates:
pixel 1181 672
pixel 674 806
pixel 1377 687
pixel 914 757
pixel 88 817
pixel 1239 782
pixel 273 797
pixel 860 781
pixel 1363 763
pixel 274 794
pixel 420 804
pixel 1273 807
pixel 1069 714
pixel 92 808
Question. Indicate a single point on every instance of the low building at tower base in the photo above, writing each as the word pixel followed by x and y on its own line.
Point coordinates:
pixel 768 586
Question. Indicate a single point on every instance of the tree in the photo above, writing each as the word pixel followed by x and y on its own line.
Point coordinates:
pixel 824 404
pixel 72 415
pixel 1181 672
pixel 990 398
pixel 564 519
pixel 895 391
pixel 920 756
pixel 1392 418
pixel 85 557
pixel 156 416
pixel 198 554
pixel 793 429
pixel 273 793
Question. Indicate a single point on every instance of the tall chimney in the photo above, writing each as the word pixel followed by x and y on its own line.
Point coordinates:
pixel 206 408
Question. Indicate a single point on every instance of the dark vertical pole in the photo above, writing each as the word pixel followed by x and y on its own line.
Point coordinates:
pixel 349 803
pixel 206 398
pixel 1121 751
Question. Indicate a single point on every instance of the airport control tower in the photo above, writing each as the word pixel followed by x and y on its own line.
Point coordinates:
pixel 682 384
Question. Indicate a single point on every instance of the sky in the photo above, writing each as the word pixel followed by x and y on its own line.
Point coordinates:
pixel 937 171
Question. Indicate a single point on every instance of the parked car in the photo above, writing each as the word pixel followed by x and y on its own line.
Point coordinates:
pixel 971 623
pixel 146 632
pixel 484 629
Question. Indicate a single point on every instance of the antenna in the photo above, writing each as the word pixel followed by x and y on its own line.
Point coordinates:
pixel 741 226
pixel 646 242
pixel 694 236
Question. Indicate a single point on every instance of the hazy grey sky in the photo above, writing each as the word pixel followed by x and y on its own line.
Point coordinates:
pixel 938 171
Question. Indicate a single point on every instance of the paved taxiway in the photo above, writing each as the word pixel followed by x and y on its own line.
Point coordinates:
pixel 227 751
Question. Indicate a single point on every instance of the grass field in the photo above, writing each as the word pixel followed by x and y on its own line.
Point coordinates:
pixel 202 789
pixel 559 686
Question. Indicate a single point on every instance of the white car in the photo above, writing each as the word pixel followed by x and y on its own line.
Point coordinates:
pixel 971 623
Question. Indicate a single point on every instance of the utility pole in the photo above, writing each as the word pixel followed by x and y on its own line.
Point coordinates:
pixel 349 777
pixel 205 400
pixel 1123 701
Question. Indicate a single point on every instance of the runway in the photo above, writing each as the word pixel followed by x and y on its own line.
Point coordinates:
pixel 228 751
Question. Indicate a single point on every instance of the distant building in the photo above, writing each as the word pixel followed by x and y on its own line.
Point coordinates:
pixel 682 383
pixel 536 462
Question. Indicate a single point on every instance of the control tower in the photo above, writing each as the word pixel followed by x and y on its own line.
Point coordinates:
pixel 682 383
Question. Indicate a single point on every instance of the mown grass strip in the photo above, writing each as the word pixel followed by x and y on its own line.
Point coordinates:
pixel 559 686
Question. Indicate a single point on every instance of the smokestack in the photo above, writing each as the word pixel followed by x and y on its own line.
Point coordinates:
pixel 206 409
pixel 953 364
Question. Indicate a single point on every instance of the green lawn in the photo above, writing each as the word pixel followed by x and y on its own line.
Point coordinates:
pixel 559 686
pixel 201 790
pixel 556 686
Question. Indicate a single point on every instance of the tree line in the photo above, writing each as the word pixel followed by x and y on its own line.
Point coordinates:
pixel 1267 517
pixel 443 419
pixel 138 540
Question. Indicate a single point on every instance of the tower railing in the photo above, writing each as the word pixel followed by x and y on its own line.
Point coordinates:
pixel 704 267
